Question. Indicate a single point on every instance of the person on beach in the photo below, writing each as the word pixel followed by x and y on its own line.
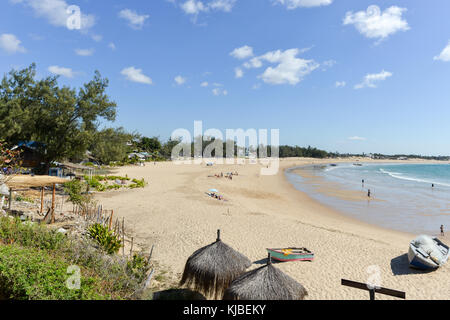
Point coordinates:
pixel 363 182
pixel 442 230
pixel 368 193
pixel 432 185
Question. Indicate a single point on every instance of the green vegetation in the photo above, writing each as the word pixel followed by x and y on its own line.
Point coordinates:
pixel 109 241
pixel 111 145
pixel 150 145
pixel 96 183
pixel 30 274
pixel 34 263
pixel 62 119
pixel 78 193
pixel 138 183
pixel 20 198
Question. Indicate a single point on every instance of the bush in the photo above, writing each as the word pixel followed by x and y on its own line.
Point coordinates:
pixel 20 198
pixel 138 266
pixel 109 241
pixel 137 183
pixel 30 235
pixel 30 274
pixel 117 278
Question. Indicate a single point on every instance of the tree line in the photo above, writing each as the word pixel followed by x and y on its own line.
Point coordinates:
pixel 66 122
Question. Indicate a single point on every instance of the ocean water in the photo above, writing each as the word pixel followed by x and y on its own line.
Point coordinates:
pixel 408 202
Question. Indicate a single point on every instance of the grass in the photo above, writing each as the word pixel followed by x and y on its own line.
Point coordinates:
pixel 20 198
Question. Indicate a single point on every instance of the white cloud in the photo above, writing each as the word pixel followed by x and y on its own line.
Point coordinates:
pixel 112 46
pixel 294 4
pixel 135 20
pixel 238 73
pixel 376 24
pixel 204 84
pixel 340 84
pixel 242 52
pixel 55 11
pixel 60 71
pixel 219 91
pixel 222 5
pixel 10 43
pixel 356 138
pixel 328 64
pixel 194 7
pixel 180 80
pixel 97 37
pixel 84 52
pixel 370 79
pixel 290 69
pixel 445 54
pixel 136 75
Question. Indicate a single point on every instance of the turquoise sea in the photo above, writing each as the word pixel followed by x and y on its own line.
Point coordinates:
pixel 408 200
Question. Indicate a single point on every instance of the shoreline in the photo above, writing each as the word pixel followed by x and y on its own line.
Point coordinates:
pixel 174 213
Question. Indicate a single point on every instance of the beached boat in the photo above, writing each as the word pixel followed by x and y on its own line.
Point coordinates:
pixel 427 253
pixel 291 254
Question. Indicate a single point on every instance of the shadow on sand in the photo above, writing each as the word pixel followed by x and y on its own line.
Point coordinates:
pixel 265 260
pixel 400 266
pixel 178 294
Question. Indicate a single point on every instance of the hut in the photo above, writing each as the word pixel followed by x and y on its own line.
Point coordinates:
pixel 32 153
pixel 265 283
pixel 211 269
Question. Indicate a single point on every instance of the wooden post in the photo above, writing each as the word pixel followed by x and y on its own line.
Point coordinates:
pixel 364 286
pixel 10 199
pixel 131 249
pixel 123 237
pixel 111 220
pixel 150 255
pixel 53 203
pixel 42 200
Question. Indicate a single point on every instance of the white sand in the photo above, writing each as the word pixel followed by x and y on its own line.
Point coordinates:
pixel 174 213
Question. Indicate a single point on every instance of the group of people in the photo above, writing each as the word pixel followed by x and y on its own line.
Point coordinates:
pixel 216 196
pixel 228 175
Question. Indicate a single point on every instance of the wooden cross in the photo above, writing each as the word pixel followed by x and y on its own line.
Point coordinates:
pixel 364 286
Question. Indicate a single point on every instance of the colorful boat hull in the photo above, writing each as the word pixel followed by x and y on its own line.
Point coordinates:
pixel 291 254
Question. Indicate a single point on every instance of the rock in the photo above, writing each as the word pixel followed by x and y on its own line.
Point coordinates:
pixel 61 230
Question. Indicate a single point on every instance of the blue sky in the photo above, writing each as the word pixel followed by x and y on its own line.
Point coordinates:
pixel 341 75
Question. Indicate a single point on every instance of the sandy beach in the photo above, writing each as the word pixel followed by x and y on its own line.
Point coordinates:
pixel 174 213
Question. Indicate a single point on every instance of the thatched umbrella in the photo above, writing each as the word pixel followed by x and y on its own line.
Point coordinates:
pixel 265 283
pixel 211 269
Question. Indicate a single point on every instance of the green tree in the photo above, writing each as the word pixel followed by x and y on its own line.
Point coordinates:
pixel 61 118
pixel 150 144
pixel 111 145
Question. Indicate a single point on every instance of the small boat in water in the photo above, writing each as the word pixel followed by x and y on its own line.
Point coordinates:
pixel 427 253
pixel 291 254
pixel 333 165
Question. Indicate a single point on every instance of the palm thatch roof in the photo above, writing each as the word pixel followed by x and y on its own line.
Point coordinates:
pixel 211 269
pixel 265 283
